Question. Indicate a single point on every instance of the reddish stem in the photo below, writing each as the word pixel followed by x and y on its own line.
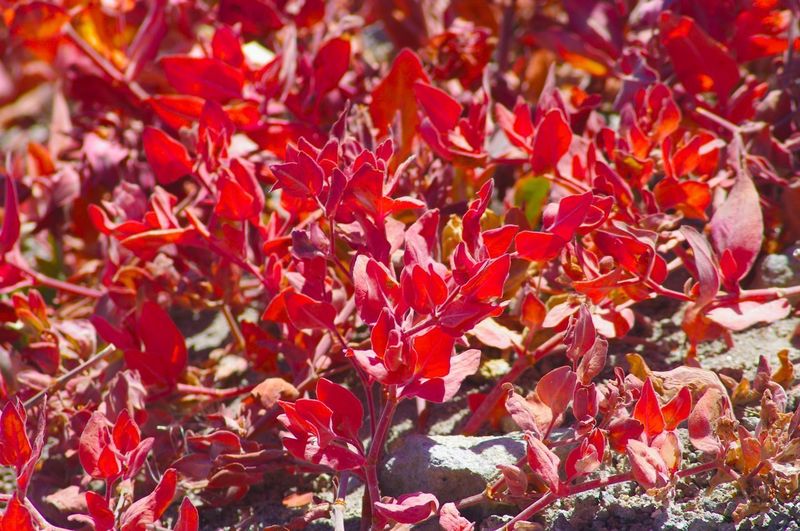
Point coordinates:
pixel 60 285
pixel 521 364
pixel 221 394
pixel 375 449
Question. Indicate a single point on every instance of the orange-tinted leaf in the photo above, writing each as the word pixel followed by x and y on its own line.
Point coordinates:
pixel 15 448
pixel 701 63
pixel 677 410
pixel 648 411
pixel 394 93
pixel 38 21
pixel 16 517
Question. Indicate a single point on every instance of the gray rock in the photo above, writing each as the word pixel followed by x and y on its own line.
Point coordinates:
pixel 451 467
pixel 779 270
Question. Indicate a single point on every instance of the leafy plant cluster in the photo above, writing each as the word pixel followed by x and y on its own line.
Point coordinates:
pixel 375 199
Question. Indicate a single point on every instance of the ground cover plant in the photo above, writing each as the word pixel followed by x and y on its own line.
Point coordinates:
pixel 238 236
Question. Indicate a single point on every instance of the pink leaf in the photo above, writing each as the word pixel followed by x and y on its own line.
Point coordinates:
pixel 647 465
pixel 408 508
pixel 738 225
pixel 543 463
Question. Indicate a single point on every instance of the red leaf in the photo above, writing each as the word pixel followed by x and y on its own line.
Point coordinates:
pixel 188 518
pixel 433 349
pixel 305 312
pixel 739 316
pixel 533 311
pixel 408 508
pixel 707 275
pixel 451 520
pixel 738 225
pixel 101 515
pixel 552 141
pixel 177 111
pixel 146 511
pixel 126 434
pixel 9 234
pixel 235 203
pixel 593 361
pixel 164 355
pixel 93 448
pixel 15 447
pixel 647 465
pixel 16 517
pixel 226 47
pixel 648 411
pixel 488 282
pixel 701 63
pixel 677 410
pixel 394 93
pixel 543 463
pixel 441 108
pixel 582 460
pixel 623 430
pixel 571 213
pixel 580 334
pixel 330 64
pixel 445 388
pixel 167 157
pixel 348 412
pixel 555 389
pixel 211 79
pixel 538 246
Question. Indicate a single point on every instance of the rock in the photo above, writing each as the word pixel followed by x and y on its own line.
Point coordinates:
pixel 450 467
pixel 496 521
pixel 779 270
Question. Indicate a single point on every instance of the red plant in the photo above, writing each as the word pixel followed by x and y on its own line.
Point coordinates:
pixel 237 235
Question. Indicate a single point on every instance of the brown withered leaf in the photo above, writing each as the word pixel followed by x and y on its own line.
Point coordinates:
pixel 271 390
pixel 743 393
pixel 785 374
pixel 668 383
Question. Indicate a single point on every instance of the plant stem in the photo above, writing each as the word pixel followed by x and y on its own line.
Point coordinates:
pixel 221 394
pixel 60 285
pixel 337 507
pixel 375 448
pixel 64 378
pixel 530 510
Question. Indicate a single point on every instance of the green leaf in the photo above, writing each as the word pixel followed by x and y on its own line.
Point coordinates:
pixel 530 193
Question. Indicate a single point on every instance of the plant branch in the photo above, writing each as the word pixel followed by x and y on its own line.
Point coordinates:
pixel 64 378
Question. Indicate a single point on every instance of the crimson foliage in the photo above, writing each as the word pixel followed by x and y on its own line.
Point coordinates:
pixel 370 200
